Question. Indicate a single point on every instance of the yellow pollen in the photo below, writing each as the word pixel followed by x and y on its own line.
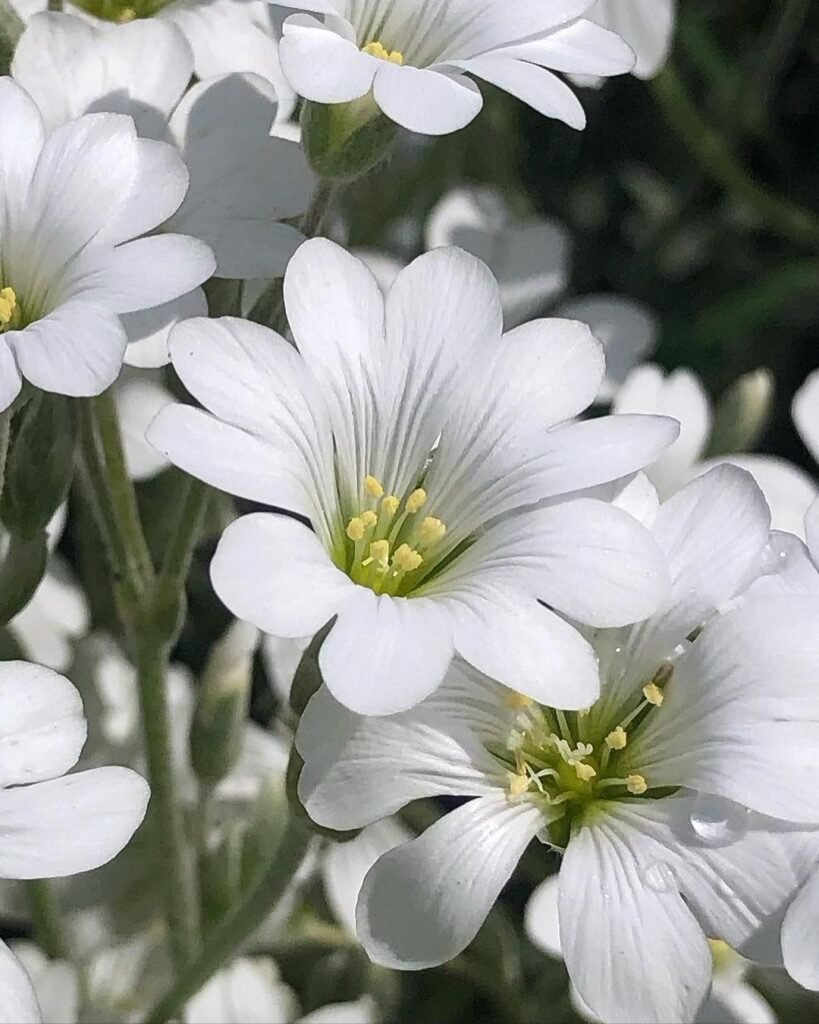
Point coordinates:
pixel 356 529
pixel 617 739
pixel 653 694
pixel 518 784
pixel 432 530
pixel 369 518
pixel 379 553
pixel 406 559
pixel 8 305
pixel 390 505
pixel 517 701
pixel 125 15
pixel 636 784
pixel 377 49
pixel 373 487
pixel 585 772
pixel 416 500
pixel 723 956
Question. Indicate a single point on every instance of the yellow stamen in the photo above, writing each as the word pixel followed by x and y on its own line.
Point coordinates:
pixel 390 505
pixel 377 49
pixel 406 559
pixel 416 500
pixel 585 772
pixel 617 739
pixel 518 784
pixel 125 15
pixel 636 784
pixel 373 487
pixel 369 518
pixel 356 529
pixel 517 701
pixel 8 305
pixel 379 553
pixel 432 530
pixel 653 694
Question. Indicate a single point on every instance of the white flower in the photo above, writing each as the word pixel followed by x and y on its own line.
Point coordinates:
pixel 788 489
pixel 243 182
pixel 416 439
pixel 731 999
pixel 646 25
pixel 72 202
pixel 646 791
pixel 52 824
pixel 139 396
pixel 806 413
pixel 224 35
pixel 415 56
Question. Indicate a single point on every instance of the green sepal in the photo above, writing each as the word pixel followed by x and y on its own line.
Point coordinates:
pixel 21 571
pixel 344 141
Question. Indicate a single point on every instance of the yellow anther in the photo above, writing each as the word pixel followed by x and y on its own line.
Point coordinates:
pixel 369 518
pixel 416 500
pixel 380 553
pixel 617 739
pixel 653 694
pixel 518 784
pixel 377 49
pixel 373 487
pixel 390 505
pixel 636 784
pixel 406 558
pixel 125 15
pixel 432 530
pixel 722 955
pixel 517 701
pixel 8 305
pixel 356 529
pixel 585 772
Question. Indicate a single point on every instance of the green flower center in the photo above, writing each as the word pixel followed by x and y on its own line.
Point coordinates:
pixel 121 11
pixel 567 761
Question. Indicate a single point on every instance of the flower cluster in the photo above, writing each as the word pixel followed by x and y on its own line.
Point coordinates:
pixel 530 606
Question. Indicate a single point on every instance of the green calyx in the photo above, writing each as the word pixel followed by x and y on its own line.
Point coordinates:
pixel 344 141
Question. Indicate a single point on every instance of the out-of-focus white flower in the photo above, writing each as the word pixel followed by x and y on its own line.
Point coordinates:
pixel 646 25
pixel 53 824
pixel 243 182
pixel 55 617
pixel 673 825
pixel 225 35
pixel 806 413
pixel 417 440
pixel 731 999
pixel 415 56
pixel 788 490
pixel 139 396
pixel 75 202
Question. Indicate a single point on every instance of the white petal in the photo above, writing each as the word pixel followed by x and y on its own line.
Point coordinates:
pixel 138 401
pixel 321 65
pixel 580 48
pixel 541 921
pixel 425 101
pixel 362 1011
pixel 348 757
pixel 423 903
pixel 646 25
pixel 805 411
pixel 800 936
pixel 149 330
pixel 56 984
pixel 385 654
pixel 248 991
pixel 74 823
pixel 162 181
pixel 10 379
pixel 22 120
pixel 737 1000
pixel 18 1003
pixel 274 572
pixel 536 86
pixel 42 728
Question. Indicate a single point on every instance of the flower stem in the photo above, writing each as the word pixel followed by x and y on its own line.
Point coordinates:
pixel 717 160
pixel 240 924
pixel 49 925
pixel 5 431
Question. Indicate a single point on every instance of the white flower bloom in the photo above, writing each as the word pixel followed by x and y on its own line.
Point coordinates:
pixel 55 617
pixel 806 413
pixel 243 182
pixel 416 439
pixel 731 999
pixel 646 791
pixel 139 396
pixel 52 824
pixel 225 35
pixel 788 490
pixel 646 25
pixel 72 202
pixel 415 56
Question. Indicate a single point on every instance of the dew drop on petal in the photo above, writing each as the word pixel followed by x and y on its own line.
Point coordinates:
pixel 718 822
pixel 660 877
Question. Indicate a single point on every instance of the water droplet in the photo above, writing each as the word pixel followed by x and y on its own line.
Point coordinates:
pixel 718 822
pixel 660 877
pixel 773 559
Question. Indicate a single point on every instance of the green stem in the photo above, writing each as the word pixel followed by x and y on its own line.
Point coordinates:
pixel 49 925
pixel 5 431
pixel 314 216
pixel 240 924
pixel 191 505
pixel 717 160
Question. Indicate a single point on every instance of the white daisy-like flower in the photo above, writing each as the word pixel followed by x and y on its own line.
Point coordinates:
pixel 225 35
pixel 243 182
pixel 788 490
pixel 678 798
pixel 73 201
pixel 732 999
pixel 646 25
pixel 416 439
pixel 52 824
pixel 416 55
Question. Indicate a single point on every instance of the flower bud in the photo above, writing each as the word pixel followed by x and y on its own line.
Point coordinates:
pixel 743 414
pixel 343 141
pixel 221 709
